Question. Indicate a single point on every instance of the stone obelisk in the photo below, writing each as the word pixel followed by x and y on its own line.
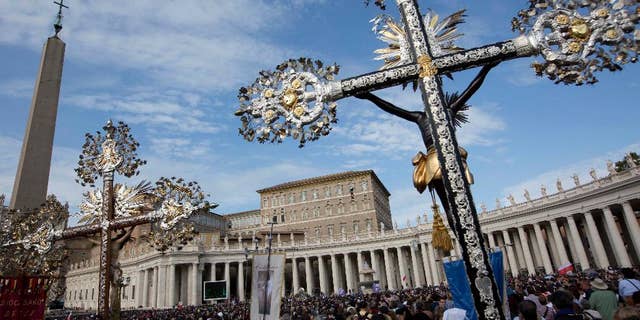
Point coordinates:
pixel 32 176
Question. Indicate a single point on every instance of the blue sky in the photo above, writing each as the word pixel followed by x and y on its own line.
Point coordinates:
pixel 172 69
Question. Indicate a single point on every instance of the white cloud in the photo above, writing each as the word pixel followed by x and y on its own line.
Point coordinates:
pixel 374 131
pixel 232 187
pixel 167 110
pixel 191 44
pixel 8 163
pixel 406 204
pixel 17 88
pixel 178 148
pixel 483 124
pixel 565 173
pixel 61 176
pixel 521 74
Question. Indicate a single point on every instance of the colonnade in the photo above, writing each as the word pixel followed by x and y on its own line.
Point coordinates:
pixel 395 267
pixel 594 238
pixel 169 284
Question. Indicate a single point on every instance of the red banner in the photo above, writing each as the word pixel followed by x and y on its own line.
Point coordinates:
pixel 22 298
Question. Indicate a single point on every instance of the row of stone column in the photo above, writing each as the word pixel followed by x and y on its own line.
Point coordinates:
pixel 167 285
pixel 577 239
pixel 413 265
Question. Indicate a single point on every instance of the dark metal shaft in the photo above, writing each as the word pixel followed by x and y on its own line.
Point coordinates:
pixel 105 245
pixel 467 228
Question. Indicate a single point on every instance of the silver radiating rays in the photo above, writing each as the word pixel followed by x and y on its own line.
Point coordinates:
pixel 442 35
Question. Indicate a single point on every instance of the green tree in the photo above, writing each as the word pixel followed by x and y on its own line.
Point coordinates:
pixel 623 164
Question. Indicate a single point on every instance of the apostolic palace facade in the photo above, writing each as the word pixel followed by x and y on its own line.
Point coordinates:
pixel 337 231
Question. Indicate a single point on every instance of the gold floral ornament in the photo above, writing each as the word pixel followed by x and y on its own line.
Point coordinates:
pixel 427 68
pixel 427 168
pixel 574 47
pixel 562 19
pixel 580 30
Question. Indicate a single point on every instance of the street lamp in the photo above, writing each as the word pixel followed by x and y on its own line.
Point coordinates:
pixel 274 221
pixel 247 251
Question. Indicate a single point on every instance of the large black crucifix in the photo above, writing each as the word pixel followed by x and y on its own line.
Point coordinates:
pixel 167 206
pixel 575 39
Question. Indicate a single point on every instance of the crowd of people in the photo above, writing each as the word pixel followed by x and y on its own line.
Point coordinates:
pixel 592 295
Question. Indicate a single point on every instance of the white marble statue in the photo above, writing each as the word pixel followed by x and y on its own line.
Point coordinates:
pixel 511 199
pixel 498 204
pixel 483 207
pixel 559 185
pixel 611 168
pixel 543 190
pixel 527 195
pixel 593 174
pixel 576 180
pixel 630 161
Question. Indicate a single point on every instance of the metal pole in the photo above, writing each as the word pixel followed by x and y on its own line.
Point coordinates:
pixel 105 245
pixel 268 269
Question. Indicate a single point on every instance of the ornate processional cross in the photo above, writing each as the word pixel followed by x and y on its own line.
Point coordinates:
pixel 167 205
pixel 298 98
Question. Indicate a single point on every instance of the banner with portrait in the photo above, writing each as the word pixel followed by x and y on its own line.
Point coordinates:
pixel 266 286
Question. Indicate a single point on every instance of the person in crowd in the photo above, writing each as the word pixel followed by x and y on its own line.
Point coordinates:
pixel 422 312
pixel 588 312
pixel 636 299
pixel 527 310
pixel 533 297
pixel 454 314
pixel 548 313
pixel 514 298
pixel 628 285
pixel 627 313
pixel 563 303
pixel 602 299
pixel 585 286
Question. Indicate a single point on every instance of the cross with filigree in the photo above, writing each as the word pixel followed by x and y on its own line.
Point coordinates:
pixel 298 99
pixel 167 206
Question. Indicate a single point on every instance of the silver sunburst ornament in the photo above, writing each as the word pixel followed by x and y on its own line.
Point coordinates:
pixel 442 34
pixel 129 201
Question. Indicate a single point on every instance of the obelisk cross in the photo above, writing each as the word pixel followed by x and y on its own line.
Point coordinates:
pixel 58 24
pixel 483 285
